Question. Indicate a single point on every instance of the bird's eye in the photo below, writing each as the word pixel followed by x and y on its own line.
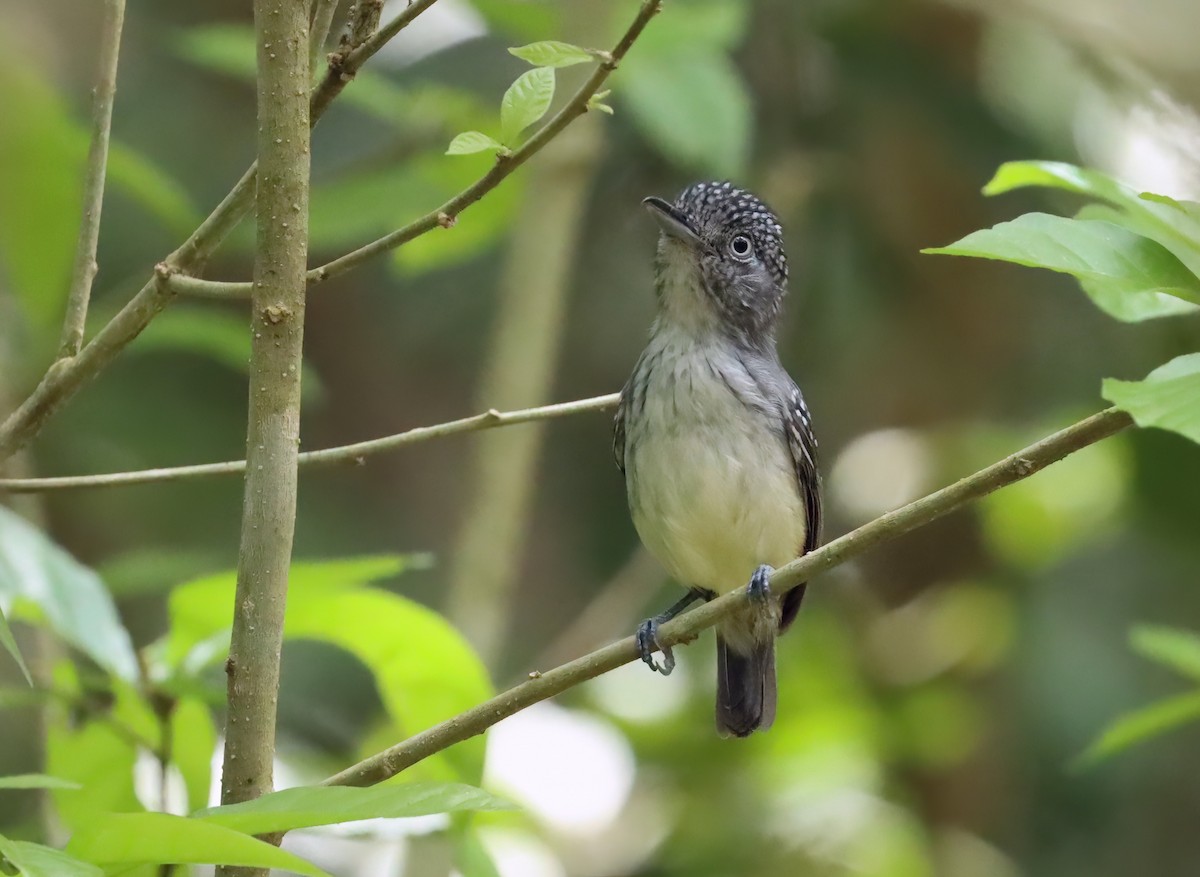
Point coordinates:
pixel 739 246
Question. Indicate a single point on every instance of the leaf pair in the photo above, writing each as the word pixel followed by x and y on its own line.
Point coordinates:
pixel 527 99
pixel 1136 255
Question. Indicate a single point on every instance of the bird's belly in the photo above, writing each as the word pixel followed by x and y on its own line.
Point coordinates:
pixel 713 500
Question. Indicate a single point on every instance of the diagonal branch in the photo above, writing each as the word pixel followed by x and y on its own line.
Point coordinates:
pixel 66 376
pixel 445 215
pixel 104 93
pixel 344 454
pixel 541 686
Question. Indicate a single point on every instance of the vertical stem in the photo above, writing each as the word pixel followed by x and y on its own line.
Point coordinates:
pixel 93 186
pixel 273 430
pixel 322 21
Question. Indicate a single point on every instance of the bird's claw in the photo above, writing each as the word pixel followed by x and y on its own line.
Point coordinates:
pixel 647 642
pixel 759 588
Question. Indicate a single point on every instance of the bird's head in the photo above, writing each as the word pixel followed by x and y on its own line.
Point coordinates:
pixel 721 265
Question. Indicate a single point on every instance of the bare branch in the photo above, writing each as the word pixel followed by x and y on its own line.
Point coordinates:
pixel 273 421
pixel 541 686
pixel 444 216
pixel 345 454
pixel 104 93
pixel 65 377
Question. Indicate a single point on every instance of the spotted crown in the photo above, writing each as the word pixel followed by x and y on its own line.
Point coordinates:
pixel 720 208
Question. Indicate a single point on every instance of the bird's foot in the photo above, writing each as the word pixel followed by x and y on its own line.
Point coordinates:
pixel 647 642
pixel 647 635
pixel 759 588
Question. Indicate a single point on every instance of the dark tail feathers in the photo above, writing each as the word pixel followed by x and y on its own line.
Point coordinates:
pixel 745 689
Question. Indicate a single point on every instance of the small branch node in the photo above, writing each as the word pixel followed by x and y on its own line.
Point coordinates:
pixel 445 220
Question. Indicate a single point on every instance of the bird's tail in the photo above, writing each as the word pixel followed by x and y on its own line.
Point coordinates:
pixel 745 688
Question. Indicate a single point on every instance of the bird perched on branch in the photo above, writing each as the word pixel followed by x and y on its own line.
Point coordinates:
pixel 715 439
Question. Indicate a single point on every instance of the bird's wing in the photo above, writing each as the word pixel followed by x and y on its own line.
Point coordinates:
pixel 619 431
pixel 802 445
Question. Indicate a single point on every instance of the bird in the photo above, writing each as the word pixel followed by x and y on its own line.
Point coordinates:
pixel 715 440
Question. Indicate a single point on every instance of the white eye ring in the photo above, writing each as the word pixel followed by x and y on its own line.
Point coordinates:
pixel 740 247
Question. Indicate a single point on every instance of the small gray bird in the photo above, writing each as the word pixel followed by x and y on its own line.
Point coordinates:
pixel 715 440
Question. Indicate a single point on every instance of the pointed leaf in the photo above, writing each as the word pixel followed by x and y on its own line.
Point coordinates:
pixel 526 101
pixel 470 142
pixel 1170 646
pixel 1090 250
pixel 36 781
pixel 35 860
pixel 1174 224
pixel 1168 398
pixel 1141 725
pixel 71 598
pixel 307 806
pixel 1132 305
pixel 552 53
pixel 121 839
pixel 10 645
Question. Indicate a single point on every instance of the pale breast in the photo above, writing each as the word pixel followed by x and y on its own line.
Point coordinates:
pixel 712 489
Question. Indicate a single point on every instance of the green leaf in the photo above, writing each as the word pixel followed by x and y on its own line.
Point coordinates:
pixel 224 48
pixel 152 187
pixel 328 602
pixel 10 646
pixel 1097 252
pixel 693 106
pixel 308 806
pixel 1169 646
pixel 98 758
pixel 41 178
pixel 552 53
pixel 1142 725
pixel 35 860
pixel 470 142
pixel 72 599
pixel 36 781
pixel 1168 398
pixel 526 101
pixel 1131 305
pixel 121 839
pixel 471 856
pixel 193 741
pixel 1174 224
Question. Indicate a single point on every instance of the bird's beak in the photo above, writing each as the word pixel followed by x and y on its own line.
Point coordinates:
pixel 671 221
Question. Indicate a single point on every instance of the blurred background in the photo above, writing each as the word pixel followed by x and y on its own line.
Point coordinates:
pixel 934 696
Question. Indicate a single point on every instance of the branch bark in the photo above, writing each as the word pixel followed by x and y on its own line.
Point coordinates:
pixel 273 429
pixel 65 377
pixel 104 93
pixel 540 686
pixel 352 454
pixel 445 216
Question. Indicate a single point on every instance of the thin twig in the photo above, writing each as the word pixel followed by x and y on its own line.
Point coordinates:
pixel 344 454
pixel 273 418
pixel 541 686
pixel 66 376
pixel 446 215
pixel 322 20
pixel 104 94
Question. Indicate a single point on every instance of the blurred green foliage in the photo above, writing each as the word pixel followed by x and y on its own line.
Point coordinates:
pixel 933 696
